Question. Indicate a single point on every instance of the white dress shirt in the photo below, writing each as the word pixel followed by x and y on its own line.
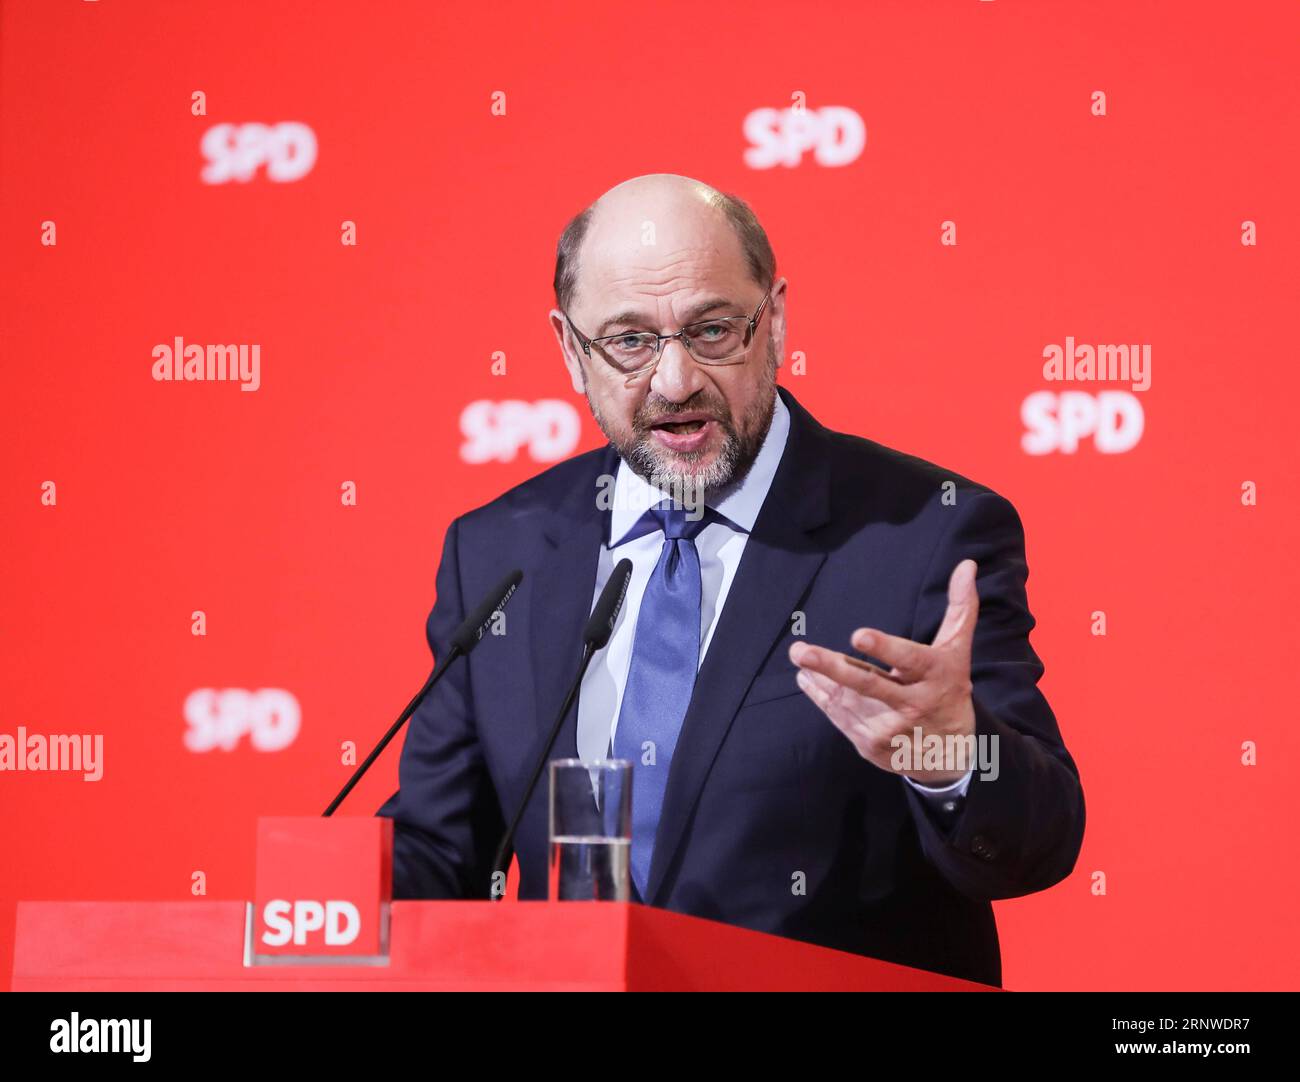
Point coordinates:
pixel 720 545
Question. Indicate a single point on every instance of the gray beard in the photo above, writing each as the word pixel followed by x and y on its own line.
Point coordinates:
pixel 731 465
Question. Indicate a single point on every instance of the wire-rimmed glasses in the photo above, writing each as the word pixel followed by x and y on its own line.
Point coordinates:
pixel 720 340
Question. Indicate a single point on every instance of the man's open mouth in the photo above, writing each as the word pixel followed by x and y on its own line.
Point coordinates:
pixel 681 426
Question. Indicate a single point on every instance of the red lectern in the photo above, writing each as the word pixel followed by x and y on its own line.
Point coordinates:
pixel 322 919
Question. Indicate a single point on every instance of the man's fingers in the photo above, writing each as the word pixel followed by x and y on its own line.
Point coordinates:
pixel 850 712
pixel 888 674
pixel 824 691
pixel 909 659
pixel 963 605
pixel 867 681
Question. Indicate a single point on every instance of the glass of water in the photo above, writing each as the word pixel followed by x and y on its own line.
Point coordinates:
pixel 591 830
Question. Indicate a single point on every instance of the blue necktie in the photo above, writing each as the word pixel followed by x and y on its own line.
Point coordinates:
pixel 665 657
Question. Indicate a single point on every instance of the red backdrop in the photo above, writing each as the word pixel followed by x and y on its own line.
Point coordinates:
pixel 458 141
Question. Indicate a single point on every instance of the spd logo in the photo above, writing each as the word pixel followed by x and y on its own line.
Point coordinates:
pixel 292 922
pixel 237 151
pixel 269 717
pixel 550 429
pixel 834 133
pixel 1113 420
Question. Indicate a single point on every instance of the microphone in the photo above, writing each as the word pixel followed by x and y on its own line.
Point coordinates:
pixel 466 637
pixel 600 625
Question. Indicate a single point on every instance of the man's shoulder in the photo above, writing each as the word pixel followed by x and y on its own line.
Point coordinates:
pixel 866 469
pixel 903 510
pixel 863 464
pixel 540 495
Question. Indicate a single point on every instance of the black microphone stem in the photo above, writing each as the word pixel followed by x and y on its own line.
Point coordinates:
pixel 467 636
pixel 504 850
pixel 434 677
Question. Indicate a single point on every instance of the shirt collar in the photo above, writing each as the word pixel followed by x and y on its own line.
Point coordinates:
pixel 738 503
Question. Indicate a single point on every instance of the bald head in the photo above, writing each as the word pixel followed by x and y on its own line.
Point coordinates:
pixel 665 212
pixel 664 255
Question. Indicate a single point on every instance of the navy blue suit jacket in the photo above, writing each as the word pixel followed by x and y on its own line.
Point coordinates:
pixel 764 792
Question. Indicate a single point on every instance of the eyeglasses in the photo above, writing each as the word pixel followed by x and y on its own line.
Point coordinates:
pixel 723 340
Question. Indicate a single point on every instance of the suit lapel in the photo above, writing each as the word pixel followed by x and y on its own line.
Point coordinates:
pixel 779 561
pixel 561 599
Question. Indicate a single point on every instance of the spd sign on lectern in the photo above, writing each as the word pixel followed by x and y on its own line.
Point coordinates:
pixel 322 893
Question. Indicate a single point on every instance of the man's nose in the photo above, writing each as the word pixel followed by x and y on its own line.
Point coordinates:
pixel 677 376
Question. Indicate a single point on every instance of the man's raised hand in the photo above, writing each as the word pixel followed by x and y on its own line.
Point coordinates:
pixel 927 687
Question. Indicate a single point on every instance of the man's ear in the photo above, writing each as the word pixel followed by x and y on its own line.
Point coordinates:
pixel 569 349
pixel 776 314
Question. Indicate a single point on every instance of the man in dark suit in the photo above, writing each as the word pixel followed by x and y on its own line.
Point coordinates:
pixel 778 785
